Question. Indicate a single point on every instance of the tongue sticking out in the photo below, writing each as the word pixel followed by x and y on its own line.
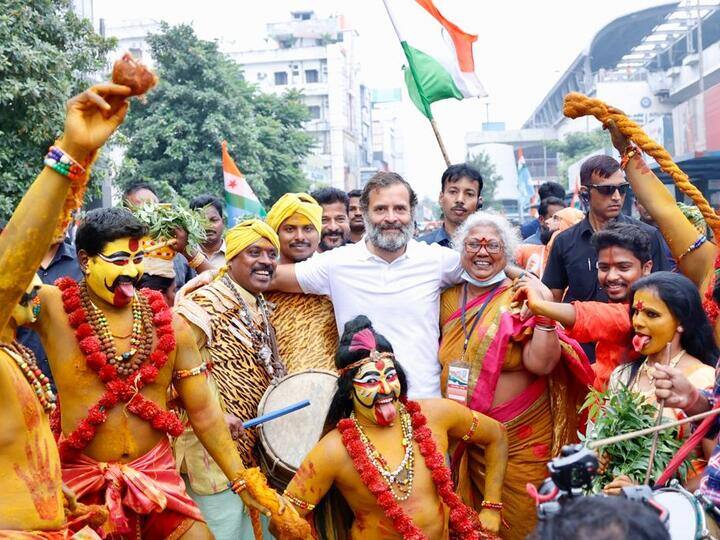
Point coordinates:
pixel 124 292
pixel 385 413
pixel 639 341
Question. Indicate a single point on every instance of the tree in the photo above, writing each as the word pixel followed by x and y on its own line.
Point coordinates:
pixel 576 145
pixel 201 100
pixel 46 55
pixel 490 178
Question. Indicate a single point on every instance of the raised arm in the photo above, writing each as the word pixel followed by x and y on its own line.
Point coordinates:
pixel 285 279
pixel 478 429
pixel 90 119
pixel 677 230
pixel 539 301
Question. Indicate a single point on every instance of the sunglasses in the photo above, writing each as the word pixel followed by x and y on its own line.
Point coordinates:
pixel 608 190
pixel 493 247
pixel 29 297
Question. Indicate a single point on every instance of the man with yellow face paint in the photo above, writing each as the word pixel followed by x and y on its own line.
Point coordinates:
pixel 114 353
pixel 305 323
pixel 386 454
pixel 230 323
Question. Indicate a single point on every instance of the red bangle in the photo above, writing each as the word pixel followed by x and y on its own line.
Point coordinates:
pixel 541 320
pixel 492 505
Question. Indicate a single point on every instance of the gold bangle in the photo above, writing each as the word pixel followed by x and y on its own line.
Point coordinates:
pixel 238 485
pixel 197 260
pixel 299 502
pixel 471 431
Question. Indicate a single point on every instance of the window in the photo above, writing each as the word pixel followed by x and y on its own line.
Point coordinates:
pixel 311 75
pixel 281 78
pixel 314 111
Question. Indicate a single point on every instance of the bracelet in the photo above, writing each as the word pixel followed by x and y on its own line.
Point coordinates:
pixel 238 485
pixel 61 162
pixel 630 151
pixel 197 260
pixel 473 428
pixel 181 374
pixel 544 321
pixel 299 502
pixel 545 328
pixel 492 505
pixel 695 245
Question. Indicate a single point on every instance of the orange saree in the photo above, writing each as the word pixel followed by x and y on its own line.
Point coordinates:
pixel 539 421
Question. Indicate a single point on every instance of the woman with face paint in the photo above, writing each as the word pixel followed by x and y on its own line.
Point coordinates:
pixel 386 454
pixel 511 370
pixel 672 331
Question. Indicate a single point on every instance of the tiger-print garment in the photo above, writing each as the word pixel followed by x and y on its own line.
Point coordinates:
pixel 307 335
pixel 240 379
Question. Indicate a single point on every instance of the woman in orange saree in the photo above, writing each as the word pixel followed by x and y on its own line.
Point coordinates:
pixel 526 374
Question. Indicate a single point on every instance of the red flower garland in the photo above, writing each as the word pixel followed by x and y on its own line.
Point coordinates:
pixel 464 522
pixel 119 390
pixel 709 304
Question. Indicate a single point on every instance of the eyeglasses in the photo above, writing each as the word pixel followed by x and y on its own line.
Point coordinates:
pixel 608 190
pixel 493 247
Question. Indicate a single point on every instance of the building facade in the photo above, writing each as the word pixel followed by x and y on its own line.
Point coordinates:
pixel 317 56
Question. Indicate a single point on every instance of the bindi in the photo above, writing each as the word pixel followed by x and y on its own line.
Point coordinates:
pixel 380 365
pixel 640 305
pixel 134 244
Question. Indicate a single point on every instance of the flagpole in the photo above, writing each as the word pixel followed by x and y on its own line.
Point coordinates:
pixel 433 124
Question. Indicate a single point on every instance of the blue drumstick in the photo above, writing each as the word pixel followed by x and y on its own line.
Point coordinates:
pixel 276 414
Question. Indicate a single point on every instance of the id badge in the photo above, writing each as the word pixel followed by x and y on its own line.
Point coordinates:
pixel 457 383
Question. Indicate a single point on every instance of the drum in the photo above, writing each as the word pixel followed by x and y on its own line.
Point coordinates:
pixel 285 441
pixel 686 517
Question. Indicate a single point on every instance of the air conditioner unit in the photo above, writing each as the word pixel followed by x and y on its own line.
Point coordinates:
pixel 674 71
pixel 691 59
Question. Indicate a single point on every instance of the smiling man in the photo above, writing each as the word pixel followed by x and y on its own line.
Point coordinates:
pixel 335 221
pixel 230 321
pixel 623 252
pixel 305 323
pixel 572 263
pixel 214 247
pixel 460 196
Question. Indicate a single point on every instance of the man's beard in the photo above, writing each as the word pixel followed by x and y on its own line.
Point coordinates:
pixel 324 246
pixel 389 238
pixel 545 235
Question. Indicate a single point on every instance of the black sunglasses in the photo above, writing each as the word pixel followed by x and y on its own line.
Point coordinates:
pixel 608 190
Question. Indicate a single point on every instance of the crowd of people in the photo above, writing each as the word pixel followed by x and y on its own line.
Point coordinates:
pixel 462 358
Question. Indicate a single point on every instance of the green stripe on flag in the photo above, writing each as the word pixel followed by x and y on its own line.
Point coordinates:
pixel 427 80
pixel 243 203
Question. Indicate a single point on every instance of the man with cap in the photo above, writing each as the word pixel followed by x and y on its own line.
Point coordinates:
pixel 305 323
pixel 231 324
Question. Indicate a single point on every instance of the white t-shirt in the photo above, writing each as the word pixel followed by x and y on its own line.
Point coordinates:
pixel 401 299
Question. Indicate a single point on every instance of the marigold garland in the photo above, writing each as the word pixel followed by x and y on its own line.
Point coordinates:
pixel 464 522
pixel 117 389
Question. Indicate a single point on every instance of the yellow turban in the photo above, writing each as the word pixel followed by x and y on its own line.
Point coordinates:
pixel 295 203
pixel 247 233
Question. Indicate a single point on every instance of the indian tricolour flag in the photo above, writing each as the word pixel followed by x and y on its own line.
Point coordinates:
pixel 240 201
pixel 439 54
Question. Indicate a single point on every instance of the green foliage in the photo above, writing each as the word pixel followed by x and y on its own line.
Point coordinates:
pixel 490 177
pixel 201 100
pixel 620 412
pixel 46 56
pixel 163 219
pixel 576 145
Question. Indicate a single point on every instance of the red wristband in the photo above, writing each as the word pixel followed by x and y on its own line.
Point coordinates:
pixel 541 320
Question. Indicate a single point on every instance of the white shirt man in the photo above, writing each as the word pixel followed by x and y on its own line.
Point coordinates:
pixel 389 277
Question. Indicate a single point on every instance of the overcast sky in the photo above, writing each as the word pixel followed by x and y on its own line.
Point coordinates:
pixel 522 49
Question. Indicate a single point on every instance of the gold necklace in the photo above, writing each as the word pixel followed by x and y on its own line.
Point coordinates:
pixel 674 361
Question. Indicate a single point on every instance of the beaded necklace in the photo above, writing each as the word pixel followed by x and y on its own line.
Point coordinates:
pixel 400 481
pixel 261 336
pixel 27 362
pixel 130 361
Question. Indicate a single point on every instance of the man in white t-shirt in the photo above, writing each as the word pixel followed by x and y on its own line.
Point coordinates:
pixel 389 277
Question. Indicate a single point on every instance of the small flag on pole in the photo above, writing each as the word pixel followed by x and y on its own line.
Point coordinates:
pixel 439 54
pixel 525 183
pixel 240 201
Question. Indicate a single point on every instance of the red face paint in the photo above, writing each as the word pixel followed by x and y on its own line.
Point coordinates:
pixel 380 365
pixel 133 244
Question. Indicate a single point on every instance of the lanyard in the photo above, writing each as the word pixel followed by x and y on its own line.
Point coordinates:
pixel 478 315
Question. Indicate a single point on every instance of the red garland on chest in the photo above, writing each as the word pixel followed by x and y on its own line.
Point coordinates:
pixel 118 390
pixel 464 522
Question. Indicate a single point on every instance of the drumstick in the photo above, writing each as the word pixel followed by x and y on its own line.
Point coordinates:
pixel 160 245
pixel 661 406
pixel 276 414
